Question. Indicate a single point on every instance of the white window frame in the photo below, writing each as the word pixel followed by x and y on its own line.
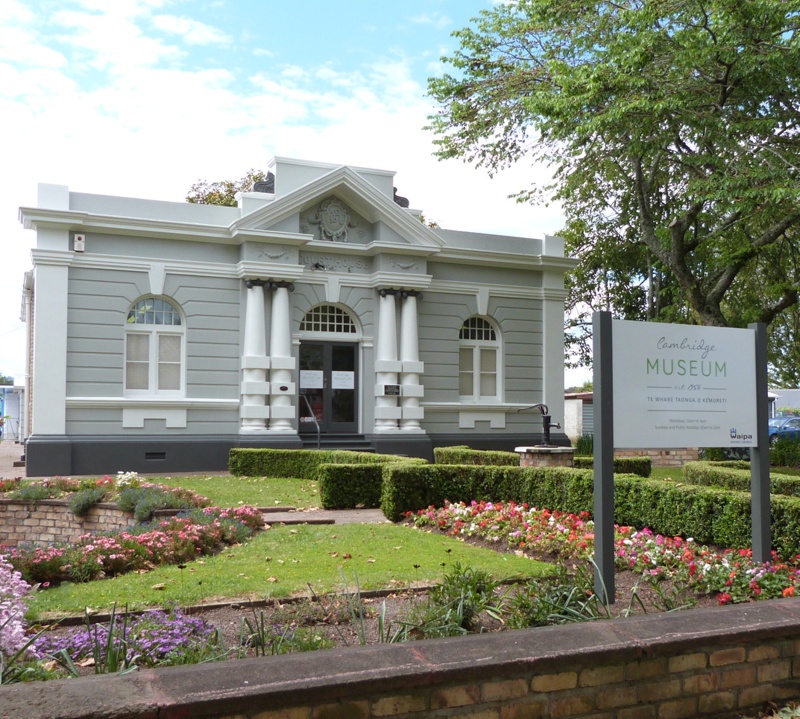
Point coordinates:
pixel 155 332
pixel 476 346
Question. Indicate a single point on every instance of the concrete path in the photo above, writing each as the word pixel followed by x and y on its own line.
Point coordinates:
pixel 10 452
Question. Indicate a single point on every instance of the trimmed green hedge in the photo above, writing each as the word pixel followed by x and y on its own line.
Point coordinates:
pixel 345 486
pixel 642 466
pixel 708 514
pixel 736 476
pixel 301 463
pixel 467 455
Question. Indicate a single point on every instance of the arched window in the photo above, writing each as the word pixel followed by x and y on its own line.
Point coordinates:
pixel 328 318
pixel 479 364
pixel 154 349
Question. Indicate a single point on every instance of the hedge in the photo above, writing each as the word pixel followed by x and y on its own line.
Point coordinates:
pixel 467 455
pixel 301 463
pixel 642 466
pixel 345 486
pixel 708 514
pixel 736 476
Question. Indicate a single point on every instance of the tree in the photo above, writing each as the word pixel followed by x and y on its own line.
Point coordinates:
pixel 672 130
pixel 224 191
pixel 6 379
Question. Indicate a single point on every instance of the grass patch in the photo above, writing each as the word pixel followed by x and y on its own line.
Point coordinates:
pixel 383 555
pixel 673 473
pixel 229 491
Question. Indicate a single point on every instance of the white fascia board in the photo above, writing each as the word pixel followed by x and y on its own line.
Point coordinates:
pixel 521 291
pixel 250 268
pixel 506 259
pixel 355 191
pixel 34 218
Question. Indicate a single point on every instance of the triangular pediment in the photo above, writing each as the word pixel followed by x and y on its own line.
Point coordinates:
pixel 341 206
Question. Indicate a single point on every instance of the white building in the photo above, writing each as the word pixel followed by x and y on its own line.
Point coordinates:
pixel 319 310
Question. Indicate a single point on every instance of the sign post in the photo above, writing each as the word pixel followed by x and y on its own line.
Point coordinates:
pixel 603 388
pixel 673 386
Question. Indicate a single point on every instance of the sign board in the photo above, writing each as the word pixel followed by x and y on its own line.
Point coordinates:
pixel 310 379
pixel 391 390
pixel 683 386
pixel 343 380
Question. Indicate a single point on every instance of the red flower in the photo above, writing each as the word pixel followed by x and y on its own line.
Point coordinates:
pixel 724 598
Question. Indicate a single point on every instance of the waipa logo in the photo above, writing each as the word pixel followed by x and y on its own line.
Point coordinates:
pixel 739 437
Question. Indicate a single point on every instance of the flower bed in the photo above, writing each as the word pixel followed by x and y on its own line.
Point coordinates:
pixel 730 574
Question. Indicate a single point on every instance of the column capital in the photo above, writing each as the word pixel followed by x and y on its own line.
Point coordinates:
pixel 269 284
pixel 400 294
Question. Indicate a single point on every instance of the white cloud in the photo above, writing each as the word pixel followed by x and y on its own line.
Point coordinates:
pixel 436 19
pixel 147 128
pixel 192 31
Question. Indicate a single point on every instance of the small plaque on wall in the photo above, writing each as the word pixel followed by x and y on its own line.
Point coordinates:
pixel 391 390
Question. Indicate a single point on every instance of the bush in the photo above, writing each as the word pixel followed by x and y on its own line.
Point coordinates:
pixel 785 453
pixel 84 499
pixel 711 515
pixel 643 466
pixel 300 463
pixel 345 486
pixel 467 455
pixel 144 501
pixel 584 446
pixel 736 476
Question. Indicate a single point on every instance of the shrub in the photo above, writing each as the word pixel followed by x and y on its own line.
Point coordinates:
pixel 467 455
pixel 143 501
pixel 736 476
pixel 584 446
pixel 643 466
pixel 84 499
pixel 300 463
pixel 345 486
pixel 13 589
pixel 785 452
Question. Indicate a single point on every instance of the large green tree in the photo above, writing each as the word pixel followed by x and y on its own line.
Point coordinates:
pixel 671 127
pixel 223 192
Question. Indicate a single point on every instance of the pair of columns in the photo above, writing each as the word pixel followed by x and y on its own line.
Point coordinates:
pixel 397 373
pixel 267 404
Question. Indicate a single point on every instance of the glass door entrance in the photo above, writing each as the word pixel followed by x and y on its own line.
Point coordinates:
pixel 328 387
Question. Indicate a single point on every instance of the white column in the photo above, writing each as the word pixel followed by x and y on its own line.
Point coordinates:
pixel 255 388
pixel 282 389
pixel 387 413
pixel 411 390
pixel 49 372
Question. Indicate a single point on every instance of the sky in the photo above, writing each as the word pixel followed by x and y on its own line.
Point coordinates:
pixel 143 98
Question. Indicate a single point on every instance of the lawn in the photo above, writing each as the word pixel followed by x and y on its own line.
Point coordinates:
pixel 229 491
pixel 289 560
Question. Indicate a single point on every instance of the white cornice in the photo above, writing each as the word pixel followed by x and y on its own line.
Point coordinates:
pixel 470 288
pixel 60 258
pixel 276 270
pixel 485 256
pixel 35 218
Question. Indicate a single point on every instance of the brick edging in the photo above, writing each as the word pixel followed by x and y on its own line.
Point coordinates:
pixel 696 655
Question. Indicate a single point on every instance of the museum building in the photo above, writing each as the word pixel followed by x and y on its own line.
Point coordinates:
pixel 319 312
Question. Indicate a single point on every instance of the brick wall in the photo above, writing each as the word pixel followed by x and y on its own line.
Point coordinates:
pixel 662 457
pixel 50 520
pixel 715 662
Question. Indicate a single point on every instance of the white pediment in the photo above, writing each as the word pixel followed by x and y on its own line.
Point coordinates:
pixel 336 204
